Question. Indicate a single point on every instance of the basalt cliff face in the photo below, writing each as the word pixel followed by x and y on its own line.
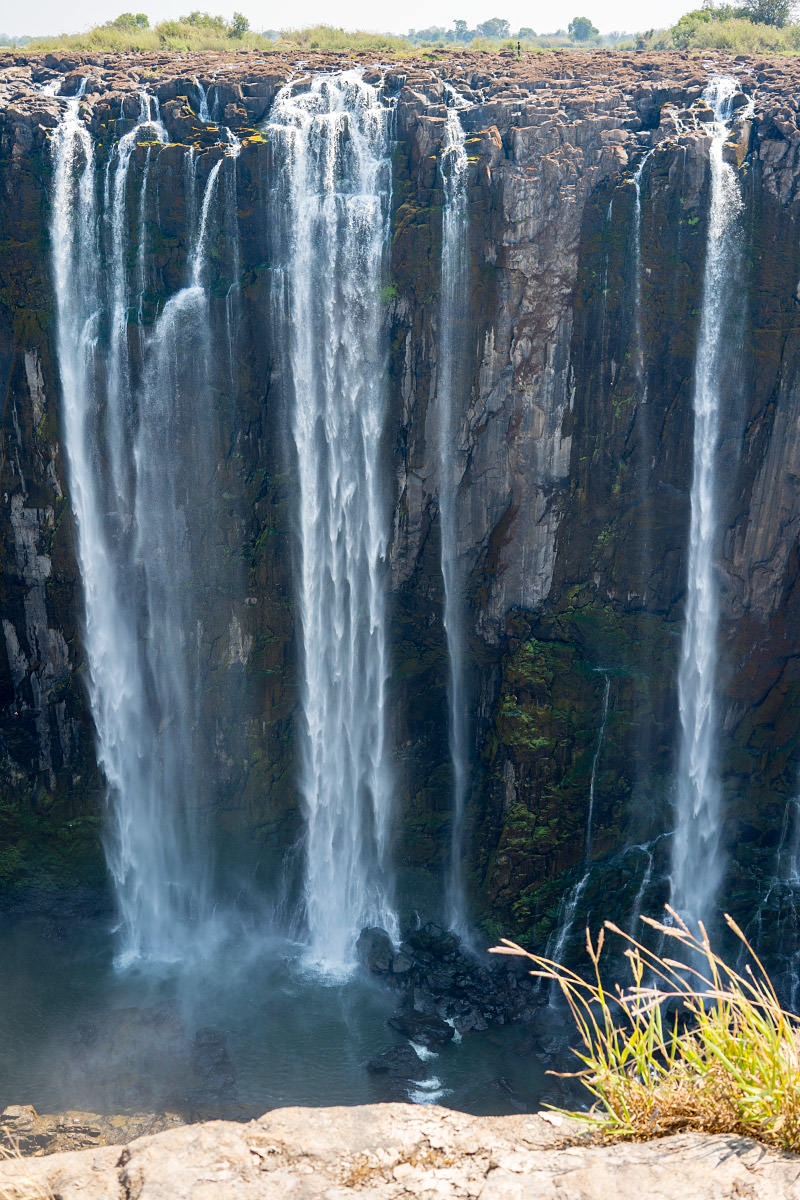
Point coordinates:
pixel 572 437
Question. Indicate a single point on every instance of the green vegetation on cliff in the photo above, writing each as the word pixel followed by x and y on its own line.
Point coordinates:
pixel 200 31
pixel 758 27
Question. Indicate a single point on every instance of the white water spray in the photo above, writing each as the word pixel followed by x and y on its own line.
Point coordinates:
pixel 638 339
pixel 453 307
pixel 118 365
pixel 135 443
pixel 333 143
pixel 202 110
pixel 696 865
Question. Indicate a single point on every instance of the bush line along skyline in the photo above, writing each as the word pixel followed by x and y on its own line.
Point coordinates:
pixel 755 27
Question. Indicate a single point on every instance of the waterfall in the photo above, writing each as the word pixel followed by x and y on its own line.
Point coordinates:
pixel 233 297
pixel 453 306
pixel 638 339
pixel 137 440
pixel 566 919
pixel 593 776
pixel 332 206
pixel 641 892
pixel 780 905
pixel 569 902
pixel 118 365
pixel 202 110
pixel 696 865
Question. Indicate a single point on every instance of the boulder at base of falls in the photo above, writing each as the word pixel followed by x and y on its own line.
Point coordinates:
pixel 400 1061
pixel 394 1151
pixel 423 1028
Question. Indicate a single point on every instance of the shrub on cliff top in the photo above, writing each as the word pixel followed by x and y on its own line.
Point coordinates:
pixel 196 32
pixel 326 37
pixel 727 28
pixel 201 31
pixel 727 1062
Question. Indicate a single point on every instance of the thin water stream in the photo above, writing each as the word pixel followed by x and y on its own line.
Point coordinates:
pixel 696 862
pixel 453 306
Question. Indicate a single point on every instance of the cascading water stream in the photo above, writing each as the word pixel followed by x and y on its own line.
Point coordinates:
pixel 333 199
pixel 137 443
pixel 638 338
pixel 569 903
pixel 780 905
pixel 641 892
pixel 587 854
pixel 567 913
pixel 118 365
pixel 696 865
pixel 232 299
pixel 202 109
pixel 449 382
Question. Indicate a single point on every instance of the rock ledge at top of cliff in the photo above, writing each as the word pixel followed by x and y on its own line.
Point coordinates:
pixel 394 1151
pixel 627 101
pixel 245 81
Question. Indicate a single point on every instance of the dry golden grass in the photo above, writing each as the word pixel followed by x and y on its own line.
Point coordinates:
pixel 728 1060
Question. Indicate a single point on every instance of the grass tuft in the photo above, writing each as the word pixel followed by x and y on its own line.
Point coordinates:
pixel 692 1044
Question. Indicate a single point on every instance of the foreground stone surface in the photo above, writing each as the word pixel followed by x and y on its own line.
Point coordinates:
pixel 397 1150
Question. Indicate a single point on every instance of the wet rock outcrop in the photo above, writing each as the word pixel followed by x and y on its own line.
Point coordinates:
pixel 445 988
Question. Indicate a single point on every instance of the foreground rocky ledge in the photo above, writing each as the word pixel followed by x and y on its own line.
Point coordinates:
pixel 397 1150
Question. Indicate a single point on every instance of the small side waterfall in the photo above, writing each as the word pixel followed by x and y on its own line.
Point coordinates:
pixel 138 441
pixel 638 337
pixel 773 929
pixel 332 203
pixel 202 95
pixel 587 854
pixel 453 306
pixel 568 908
pixel 696 865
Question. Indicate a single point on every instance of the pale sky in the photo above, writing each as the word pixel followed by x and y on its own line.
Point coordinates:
pixel 53 16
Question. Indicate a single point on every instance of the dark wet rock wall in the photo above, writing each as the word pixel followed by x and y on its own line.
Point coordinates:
pixel 574 437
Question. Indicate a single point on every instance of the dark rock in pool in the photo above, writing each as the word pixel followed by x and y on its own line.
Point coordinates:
pixel 433 944
pixel 443 980
pixel 425 1028
pixel 507 1089
pixel 399 1061
pixel 212 1066
pixel 375 950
